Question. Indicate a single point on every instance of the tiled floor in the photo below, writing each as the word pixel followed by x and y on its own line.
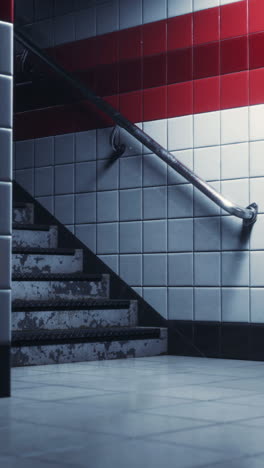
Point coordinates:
pixel 155 412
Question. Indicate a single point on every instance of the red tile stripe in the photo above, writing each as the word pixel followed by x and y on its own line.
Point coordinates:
pixel 201 62
pixel 7 11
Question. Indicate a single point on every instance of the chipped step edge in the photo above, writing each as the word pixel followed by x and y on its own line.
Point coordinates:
pixel 92 318
pixel 44 290
pixel 81 352
pixel 35 239
pixel 41 263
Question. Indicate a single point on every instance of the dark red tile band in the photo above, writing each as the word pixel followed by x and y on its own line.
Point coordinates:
pixel 7 11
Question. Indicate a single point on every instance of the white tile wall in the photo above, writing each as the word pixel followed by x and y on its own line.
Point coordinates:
pixel 141 220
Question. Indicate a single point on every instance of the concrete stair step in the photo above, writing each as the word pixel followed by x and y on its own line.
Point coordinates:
pixel 37 261
pixel 23 213
pixel 57 347
pixel 34 236
pixel 63 315
pixel 60 286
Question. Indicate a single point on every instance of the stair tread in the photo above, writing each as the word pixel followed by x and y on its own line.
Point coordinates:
pixel 80 335
pixel 56 277
pixel 31 227
pixel 22 305
pixel 44 251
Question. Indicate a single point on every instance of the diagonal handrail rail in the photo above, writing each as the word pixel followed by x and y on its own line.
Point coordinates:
pixel 248 214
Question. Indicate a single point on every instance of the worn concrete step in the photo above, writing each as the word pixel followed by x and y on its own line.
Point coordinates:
pixel 34 236
pixel 59 286
pixel 37 261
pixel 23 213
pixel 62 315
pixel 57 347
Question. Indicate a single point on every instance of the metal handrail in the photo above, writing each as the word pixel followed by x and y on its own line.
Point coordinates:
pixel 249 214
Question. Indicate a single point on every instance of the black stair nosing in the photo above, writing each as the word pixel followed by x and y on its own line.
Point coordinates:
pixel 31 227
pixel 83 335
pixel 56 277
pixel 43 251
pixel 38 306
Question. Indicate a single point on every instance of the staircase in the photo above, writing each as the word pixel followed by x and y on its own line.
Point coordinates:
pixel 61 314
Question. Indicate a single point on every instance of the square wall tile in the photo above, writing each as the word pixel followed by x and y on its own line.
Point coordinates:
pixel 180 7
pixel 180 235
pixel 206 60
pixel 111 261
pixel 6 155
pixel 64 30
pixel 107 175
pixel 5 264
pixel 180 269
pixel 107 206
pixel 64 148
pixel 104 149
pixel 154 171
pixel 154 10
pixel 6 100
pixel 25 177
pixel 44 151
pixel 107 238
pixel 235 304
pixel 85 176
pixel 207 234
pixel 85 206
pixel 207 162
pixel 133 146
pixel 186 158
pixel 207 304
pixel 130 235
pixel 203 206
pixel 234 125
pixel 6 39
pixel 5 208
pixel 85 23
pixel 155 236
pixel 204 4
pixel 131 172
pixel 44 181
pixel 5 330
pixel 24 154
pixel 256 269
pixel 235 268
pixel 207 269
pixel 64 179
pixel 235 161
pixel 130 16
pixel 87 234
pixel 155 203
pixel 234 20
pixel 155 270
pixel 257 300
pixel 130 204
pixel 157 129
pixel 256 159
pixel 107 17
pixel 86 146
pixel 180 201
pixel 180 133
pixel 131 269
pixel 180 303
pixel 256 192
pixel 207 129
pixel 236 191
pixel 64 208
pixel 235 236
pixel 157 298
pixel 47 202
pixel 257 234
